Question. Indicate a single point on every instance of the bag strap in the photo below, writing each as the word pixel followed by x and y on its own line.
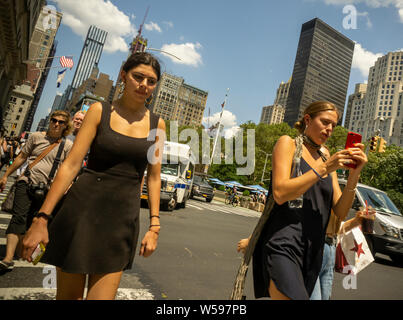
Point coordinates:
pixel 56 162
pixel 43 154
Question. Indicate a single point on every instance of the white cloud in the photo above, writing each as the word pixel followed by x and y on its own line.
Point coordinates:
pixel 186 52
pixel 152 26
pixel 79 15
pixel 372 3
pixel 364 59
pixel 228 121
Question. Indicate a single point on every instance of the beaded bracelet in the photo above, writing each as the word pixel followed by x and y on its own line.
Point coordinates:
pixel 320 178
pixel 154 217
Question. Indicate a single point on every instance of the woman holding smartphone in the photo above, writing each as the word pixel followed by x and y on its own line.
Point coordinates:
pixel 288 256
pixel 95 231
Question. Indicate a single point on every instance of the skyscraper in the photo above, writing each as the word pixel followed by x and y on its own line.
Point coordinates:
pixel 321 70
pixel 379 111
pixel 90 56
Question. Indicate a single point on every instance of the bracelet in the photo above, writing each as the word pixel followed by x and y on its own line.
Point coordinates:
pixel 154 217
pixel 47 217
pixel 155 225
pixel 320 178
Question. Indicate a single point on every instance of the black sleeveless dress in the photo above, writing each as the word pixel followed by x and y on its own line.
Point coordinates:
pixel 290 248
pixel 96 228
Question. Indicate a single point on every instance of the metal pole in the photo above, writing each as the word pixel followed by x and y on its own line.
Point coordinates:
pixel 264 168
pixel 218 131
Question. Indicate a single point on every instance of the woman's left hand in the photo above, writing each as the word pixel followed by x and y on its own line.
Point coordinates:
pixel 358 155
pixel 149 244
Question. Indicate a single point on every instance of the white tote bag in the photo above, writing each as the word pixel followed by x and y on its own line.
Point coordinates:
pixel 352 252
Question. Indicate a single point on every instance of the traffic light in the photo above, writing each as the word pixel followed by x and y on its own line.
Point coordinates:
pixel 373 144
pixel 382 145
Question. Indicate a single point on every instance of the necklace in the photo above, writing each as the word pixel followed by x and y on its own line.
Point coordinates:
pixel 314 145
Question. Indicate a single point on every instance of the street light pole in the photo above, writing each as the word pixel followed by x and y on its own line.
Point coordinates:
pixel 264 167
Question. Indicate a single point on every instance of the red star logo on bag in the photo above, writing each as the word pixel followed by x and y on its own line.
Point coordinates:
pixel 358 248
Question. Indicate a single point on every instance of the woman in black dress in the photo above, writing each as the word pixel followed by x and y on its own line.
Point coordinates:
pixel 288 256
pixel 95 230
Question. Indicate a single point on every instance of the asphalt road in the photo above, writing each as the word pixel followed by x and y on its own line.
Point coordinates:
pixel 196 259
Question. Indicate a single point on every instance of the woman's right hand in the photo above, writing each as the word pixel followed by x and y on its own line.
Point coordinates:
pixel 38 232
pixel 242 245
pixel 339 161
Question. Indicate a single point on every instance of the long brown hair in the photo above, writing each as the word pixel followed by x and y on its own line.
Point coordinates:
pixel 66 116
pixel 313 110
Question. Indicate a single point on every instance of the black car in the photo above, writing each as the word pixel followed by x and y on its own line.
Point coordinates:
pixel 201 188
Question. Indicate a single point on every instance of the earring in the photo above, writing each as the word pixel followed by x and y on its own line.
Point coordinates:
pixel 149 100
pixel 121 87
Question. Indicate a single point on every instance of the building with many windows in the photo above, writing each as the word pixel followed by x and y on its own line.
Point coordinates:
pixel 273 114
pixel 176 100
pixel 381 109
pixel 90 56
pixel 355 107
pixel 41 51
pixel 17 22
pixel 321 70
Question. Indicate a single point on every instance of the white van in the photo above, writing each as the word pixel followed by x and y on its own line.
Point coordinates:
pixel 388 226
pixel 176 176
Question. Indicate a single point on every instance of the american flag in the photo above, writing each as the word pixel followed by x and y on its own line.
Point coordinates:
pixel 66 62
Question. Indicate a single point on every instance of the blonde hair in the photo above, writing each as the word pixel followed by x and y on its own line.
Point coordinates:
pixel 313 110
pixel 66 116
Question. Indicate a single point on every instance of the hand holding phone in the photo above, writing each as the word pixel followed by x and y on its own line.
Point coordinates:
pixel 352 139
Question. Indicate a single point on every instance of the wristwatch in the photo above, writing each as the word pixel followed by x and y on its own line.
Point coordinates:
pixel 47 217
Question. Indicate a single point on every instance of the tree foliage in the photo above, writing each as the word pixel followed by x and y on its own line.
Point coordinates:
pixel 383 171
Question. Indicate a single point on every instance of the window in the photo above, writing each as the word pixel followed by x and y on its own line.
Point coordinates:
pixel 20 110
pixel 23 102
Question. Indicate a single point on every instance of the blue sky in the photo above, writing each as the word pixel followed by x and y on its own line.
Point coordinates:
pixel 247 46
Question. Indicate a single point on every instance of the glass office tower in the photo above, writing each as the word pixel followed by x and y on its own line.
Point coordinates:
pixel 321 70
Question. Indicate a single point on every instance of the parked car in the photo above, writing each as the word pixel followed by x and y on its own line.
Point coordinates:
pixel 388 225
pixel 201 188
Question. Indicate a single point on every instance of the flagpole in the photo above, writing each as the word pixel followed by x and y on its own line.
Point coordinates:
pixel 217 133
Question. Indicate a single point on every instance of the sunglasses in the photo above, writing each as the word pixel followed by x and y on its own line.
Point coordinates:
pixel 61 122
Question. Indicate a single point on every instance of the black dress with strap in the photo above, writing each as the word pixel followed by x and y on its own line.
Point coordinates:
pixel 290 248
pixel 96 228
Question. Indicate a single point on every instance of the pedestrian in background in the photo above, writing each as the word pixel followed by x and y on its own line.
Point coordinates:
pixel 95 231
pixel 324 283
pixel 78 119
pixel 288 255
pixel 25 203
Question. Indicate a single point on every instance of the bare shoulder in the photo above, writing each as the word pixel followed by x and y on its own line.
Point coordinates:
pixel 285 144
pixel 94 113
pixel 161 124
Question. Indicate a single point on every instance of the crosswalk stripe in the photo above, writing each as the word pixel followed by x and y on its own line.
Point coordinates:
pixel 3 226
pixel 3 241
pixel 50 294
pixel 26 264
pixel 5 216
pixel 194 206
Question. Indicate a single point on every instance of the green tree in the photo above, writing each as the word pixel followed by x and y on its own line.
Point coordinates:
pixel 337 141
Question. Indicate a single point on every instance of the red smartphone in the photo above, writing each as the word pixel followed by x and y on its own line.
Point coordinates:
pixel 352 138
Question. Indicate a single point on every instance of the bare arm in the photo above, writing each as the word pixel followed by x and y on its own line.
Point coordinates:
pixel 149 242
pixel 18 162
pixel 342 201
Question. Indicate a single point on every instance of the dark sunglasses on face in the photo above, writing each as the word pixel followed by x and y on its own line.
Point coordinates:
pixel 54 121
